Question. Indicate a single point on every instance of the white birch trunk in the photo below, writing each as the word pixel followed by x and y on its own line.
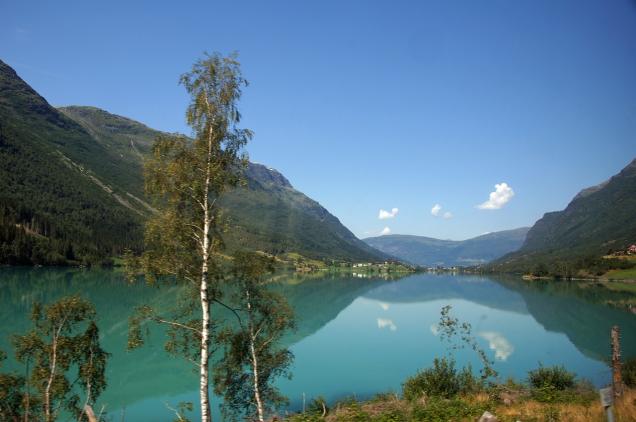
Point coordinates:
pixel 204 394
pixel 205 329
pixel 53 368
pixel 47 390
pixel 257 393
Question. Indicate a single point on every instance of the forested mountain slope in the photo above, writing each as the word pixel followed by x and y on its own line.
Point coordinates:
pixel 60 198
pixel 598 220
pixel 71 189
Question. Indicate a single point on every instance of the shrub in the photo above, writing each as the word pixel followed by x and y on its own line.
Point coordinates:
pixel 629 372
pixel 555 377
pixel 438 381
pixel 442 380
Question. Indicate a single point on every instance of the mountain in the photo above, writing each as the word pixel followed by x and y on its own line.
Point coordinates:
pixel 60 195
pixel 269 215
pixel 71 190
pixel 426 251
pixel 598 220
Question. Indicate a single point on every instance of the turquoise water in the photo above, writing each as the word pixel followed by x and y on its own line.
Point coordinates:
pixel 355 337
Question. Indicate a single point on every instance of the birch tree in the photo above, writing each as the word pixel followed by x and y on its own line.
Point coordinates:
pixel 186 177
pixel 57 344
pixel 253 357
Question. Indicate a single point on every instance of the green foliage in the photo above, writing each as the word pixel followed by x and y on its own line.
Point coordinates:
pixel 182 408
pixel 438 409
pixel 64 340
pixel 318 405
pixel 441 380
pixel 556 377
pixel 11 395
pixel 391 415
pixel 185 179
pixel 458 335
pixel 253 357
pixel 305 417
pixel 557 385
pixel 629 372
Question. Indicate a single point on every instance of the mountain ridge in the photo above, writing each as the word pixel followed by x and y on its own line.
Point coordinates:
pixel 597 220
pixel 428 251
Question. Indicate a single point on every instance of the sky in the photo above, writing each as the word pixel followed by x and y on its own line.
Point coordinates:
pixel 446 118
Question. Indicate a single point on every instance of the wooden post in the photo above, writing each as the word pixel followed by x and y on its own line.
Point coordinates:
pixel 617 379
pixel 607 400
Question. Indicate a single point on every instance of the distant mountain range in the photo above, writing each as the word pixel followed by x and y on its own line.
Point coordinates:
pixel 599 219
pixel 426 251
pixel 71 190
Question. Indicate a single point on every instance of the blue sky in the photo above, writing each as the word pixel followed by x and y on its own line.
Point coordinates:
pixel 371 105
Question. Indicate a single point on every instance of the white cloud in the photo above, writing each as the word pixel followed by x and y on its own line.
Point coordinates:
pixel 436 212
pixel 385 231
pixel 434 329
pixel 386 323
pixel 497 199
pixel 383 215
pixel 436 209
pixel 497 342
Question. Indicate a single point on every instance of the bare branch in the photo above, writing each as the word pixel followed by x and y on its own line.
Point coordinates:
pixel 176 324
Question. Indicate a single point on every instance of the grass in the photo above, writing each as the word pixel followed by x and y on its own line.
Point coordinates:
pixel 621 287
pixel 442 393
pixel 628 274
pixel 391 408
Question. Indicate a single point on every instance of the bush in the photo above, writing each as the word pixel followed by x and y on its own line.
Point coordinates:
pixel 629 372
pixel 555 377
pixel 442 380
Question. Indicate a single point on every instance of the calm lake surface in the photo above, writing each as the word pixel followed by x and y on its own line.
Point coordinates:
pixel 355 336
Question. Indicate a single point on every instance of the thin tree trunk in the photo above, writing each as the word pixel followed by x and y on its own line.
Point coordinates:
pixel 53 368
pixel 47 390
pixel 27 404
pixel 88 392
pixel 205 330
pixel 257 393
pixel 206 416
